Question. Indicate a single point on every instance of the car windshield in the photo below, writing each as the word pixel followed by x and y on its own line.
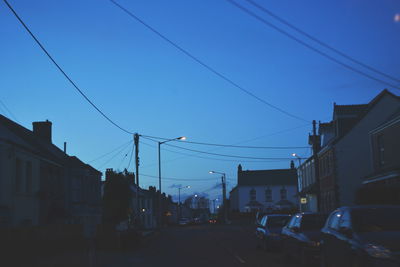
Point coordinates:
pixel 376 219
pixel 312 221
pixel 277 221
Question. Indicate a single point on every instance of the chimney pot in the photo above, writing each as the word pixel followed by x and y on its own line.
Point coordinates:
pixel 42 129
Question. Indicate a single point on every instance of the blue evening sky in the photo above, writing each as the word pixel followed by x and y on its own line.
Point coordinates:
pixel 148 86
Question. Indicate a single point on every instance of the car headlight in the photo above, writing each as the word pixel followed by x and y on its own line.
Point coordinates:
pixel 378 251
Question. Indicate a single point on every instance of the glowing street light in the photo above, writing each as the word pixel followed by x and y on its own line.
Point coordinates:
pixel 298 157
pixel 179 198
pixel 159 171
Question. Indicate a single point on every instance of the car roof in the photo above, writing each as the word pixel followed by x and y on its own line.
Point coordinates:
pixel 311 213
pixel 278 215
pixel 365 207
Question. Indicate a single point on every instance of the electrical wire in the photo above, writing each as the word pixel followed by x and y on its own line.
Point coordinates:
pixel 108 153
pixel 287 34
pixel 265 10
pixel 179 179
pixel 201 157
pixel 232 146
pixel 124 157
pixel 202 63
pixel 115 155
pixel 8 110
pixel 63 72
pixel 224 155
pixel 130 159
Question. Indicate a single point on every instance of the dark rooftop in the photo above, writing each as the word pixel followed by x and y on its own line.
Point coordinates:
pixel 268 177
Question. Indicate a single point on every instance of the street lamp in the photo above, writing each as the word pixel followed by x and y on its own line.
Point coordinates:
pixel 179 198
pixel 298 157
pixel 223 194
pixel 159 172
pixel 213 201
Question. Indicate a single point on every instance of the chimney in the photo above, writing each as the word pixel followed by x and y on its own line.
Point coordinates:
pixel 65 147
pixel 42 129
pixel 109 174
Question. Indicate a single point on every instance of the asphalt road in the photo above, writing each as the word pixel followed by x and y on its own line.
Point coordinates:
pixel 202 245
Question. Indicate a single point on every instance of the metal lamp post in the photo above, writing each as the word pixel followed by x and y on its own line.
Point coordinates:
pixel 224 202
pixel 179 200
pixel 298 157
pixel 159 173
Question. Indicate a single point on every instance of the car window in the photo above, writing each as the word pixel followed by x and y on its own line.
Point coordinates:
pixel 277 221
pixel 263 220
pixel 333 222
pixel 376 219
pixel 345 220
pixel 292 221
pixel 297 221
pixel 312 221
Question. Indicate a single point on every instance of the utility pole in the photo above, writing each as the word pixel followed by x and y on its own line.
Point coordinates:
pixel 224 198
pixel 136 141
pixel 213 201
pixel 316 146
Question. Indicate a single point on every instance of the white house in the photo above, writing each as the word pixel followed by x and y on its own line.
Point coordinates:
pixel 264 190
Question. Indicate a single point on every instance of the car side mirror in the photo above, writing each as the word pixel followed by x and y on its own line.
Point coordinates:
pixel 346 231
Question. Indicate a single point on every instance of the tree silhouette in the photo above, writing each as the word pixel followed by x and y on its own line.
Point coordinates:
pixel 117 197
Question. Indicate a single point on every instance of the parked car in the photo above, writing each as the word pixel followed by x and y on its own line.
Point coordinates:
pixel 184 221
pixel 212 221
pixel 259 216
pixel 362 236
pixel 268 232
pixel 301 237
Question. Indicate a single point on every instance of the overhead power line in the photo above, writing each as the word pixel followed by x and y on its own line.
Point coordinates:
pixel 316 50
pixel 125 156
pixel 269 12
pixel 179 179
pixel 63 72
pixel 201 157
pixel 220 159
pixel 108 153
pixel 225 155
pixel 115 155
pixel 8 110
pixel 233 146
pixel 130 159
pixel 202 63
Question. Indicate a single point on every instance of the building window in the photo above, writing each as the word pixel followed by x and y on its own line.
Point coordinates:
pixel 18 175
pixel 283 193
pixel 268 195
pixel 28 177
pixel 253 195
pixel 381 151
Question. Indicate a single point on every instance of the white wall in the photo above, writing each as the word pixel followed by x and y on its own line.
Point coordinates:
pixel 353 154
pixel 244 195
